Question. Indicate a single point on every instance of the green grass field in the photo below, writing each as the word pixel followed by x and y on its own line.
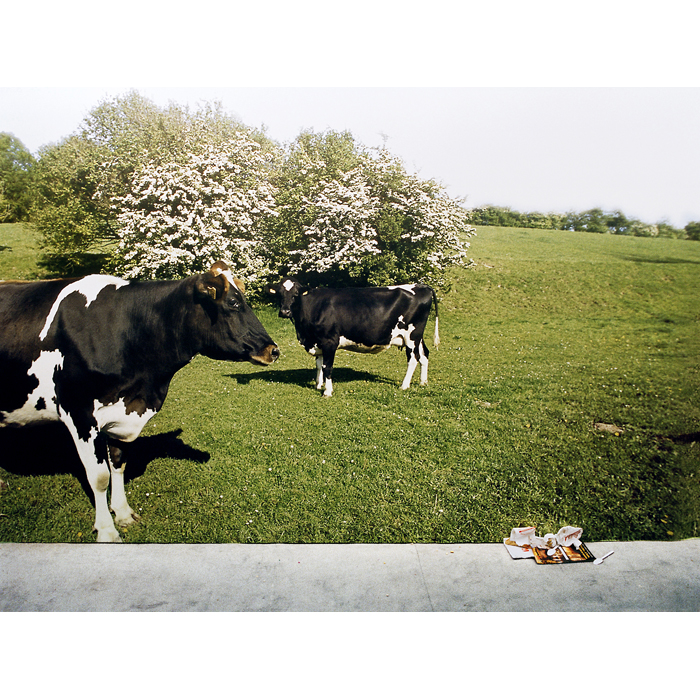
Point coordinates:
pixel 549 334
pixel 18 253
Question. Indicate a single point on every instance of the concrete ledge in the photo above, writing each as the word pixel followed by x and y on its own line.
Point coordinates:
pixel 640 576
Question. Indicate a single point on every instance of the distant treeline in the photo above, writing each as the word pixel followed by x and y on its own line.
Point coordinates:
pixel 594 220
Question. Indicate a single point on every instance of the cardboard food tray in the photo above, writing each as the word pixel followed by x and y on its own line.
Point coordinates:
pixel 574 555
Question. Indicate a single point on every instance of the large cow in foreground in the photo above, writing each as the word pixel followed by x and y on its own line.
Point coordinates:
pixel 98 353
pixel 366 320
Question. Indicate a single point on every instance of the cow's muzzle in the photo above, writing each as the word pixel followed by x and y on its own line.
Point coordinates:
pixel 267 356
pixel 285 313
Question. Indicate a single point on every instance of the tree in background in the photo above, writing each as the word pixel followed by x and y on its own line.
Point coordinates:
pixel 16 173
pixel 75 226
pixel 80 178
pixel 592 220
pixel 692 230
pixel 353 216
pixel 307 165
pixel 180 215
pixel 160 193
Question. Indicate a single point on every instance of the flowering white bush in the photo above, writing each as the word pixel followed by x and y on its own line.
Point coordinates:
pixel 430 215
pixel 639 228
pixel 372 223
pixel 341 232
pixel 336 214
pixel 180 216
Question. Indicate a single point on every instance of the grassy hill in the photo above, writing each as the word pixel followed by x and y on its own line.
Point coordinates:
pixel 549 334
pixel 18 253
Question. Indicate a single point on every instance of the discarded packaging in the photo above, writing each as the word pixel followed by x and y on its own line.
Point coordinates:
pixel 570 536
pixel 563 555
pixel 547 542
pixel 564 547
pixel 521 535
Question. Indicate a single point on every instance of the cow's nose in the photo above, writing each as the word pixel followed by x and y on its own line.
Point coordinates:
pixel 284 313
pixel 275 352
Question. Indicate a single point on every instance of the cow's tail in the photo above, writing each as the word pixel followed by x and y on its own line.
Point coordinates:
pixel 436 335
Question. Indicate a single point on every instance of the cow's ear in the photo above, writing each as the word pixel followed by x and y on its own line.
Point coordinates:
pixel 221 269
pixel 213 286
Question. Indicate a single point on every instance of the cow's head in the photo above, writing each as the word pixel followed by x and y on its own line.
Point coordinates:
pixel 232 331
pixel 285 294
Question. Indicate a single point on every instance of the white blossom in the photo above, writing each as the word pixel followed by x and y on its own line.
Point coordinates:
pixel 341 233
pixel 178 217
pixel 345 212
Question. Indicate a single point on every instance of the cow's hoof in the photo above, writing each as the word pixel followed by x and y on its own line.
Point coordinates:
pixel 127 519
pixel 108 535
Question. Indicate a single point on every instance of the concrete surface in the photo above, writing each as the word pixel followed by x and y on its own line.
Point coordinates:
pixel 640 576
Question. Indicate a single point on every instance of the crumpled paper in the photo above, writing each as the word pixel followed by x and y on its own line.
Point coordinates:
pixel 566 537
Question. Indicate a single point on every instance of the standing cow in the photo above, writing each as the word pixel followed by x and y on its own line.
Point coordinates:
pixel 366 320
pixel 98 353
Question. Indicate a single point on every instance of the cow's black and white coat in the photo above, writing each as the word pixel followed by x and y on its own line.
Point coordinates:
pixel 366 320
pixel 98 353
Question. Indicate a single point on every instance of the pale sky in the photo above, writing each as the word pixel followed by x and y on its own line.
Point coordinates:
pixel 539 107
pixel 532 149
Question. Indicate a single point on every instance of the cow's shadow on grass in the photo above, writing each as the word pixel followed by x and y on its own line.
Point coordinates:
pixel 659 261
pixel 49 450
pixel 307 377
pixel 685 439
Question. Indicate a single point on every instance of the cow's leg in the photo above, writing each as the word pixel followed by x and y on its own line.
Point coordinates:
pixel 92 450
pixel 328 357
pixel 319 371
pixel 118 503
pixel 93 456
pixel 423 359
pixel 412 364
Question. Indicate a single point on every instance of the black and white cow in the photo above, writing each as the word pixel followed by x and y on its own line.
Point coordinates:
pixel 367 320
pixel 98 353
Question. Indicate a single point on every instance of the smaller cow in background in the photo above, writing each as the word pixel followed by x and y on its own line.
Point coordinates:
pixel 367 320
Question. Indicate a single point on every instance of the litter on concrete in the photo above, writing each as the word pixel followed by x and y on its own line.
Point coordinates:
pixel 565 547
